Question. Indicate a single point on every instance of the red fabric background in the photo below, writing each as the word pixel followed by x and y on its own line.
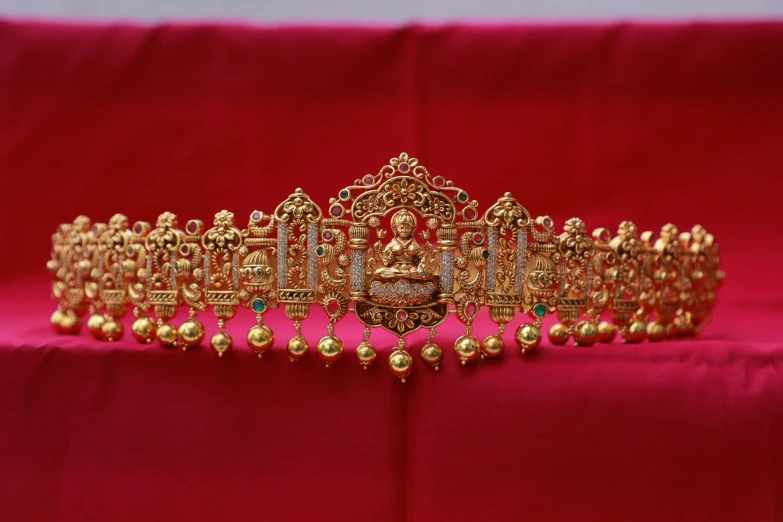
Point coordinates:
pixel 650 123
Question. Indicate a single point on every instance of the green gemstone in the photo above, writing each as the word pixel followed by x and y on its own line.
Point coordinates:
pixel 344 194
pixel 320 250
pixel 258 306
pixel 463 196
pixel 539 310
pixel 485 254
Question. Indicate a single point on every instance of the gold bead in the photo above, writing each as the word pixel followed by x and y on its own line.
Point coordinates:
pixel 56 319
pixel 636 332
pixel 586 333
pixel 682 327
pixel 492 346
pixel 144 329
pixel 70 323
pixel 167 335
pixel 606 332
pixel 94 324
pixel 221 343
pixel 190 334
pixel 466 348
pixel 297 348
pixel 330 348
pixel 401 364
pixel 365 354
pixel 112 330
pixel 432 354
pixel 528 337
pixel 260 339
pixel 558 334
pixel 656 332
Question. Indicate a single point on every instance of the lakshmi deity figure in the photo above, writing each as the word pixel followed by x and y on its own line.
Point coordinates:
pixel 403 257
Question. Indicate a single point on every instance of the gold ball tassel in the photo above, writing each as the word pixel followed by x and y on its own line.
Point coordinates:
pixel 431 352
pixel 366 352
pixel 330 347
pixel 260 338
pixel 400 361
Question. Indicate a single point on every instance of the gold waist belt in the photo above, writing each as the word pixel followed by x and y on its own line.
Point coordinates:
pixel 401 250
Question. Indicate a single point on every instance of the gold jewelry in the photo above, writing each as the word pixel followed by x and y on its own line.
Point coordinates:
pixel 402 250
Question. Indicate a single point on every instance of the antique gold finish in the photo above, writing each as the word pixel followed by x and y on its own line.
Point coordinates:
pixel 528 337
pixel 400 364
pixel 221 342
pixel 297 348
pixel 260 339
pixel 402 250
pixel 144 330
pixel 166 335
pixel 432 354
pixel 190 334
pixel 365 354
pixel 606 332
pixel 111 330
pixel 94 324
pixel 492 346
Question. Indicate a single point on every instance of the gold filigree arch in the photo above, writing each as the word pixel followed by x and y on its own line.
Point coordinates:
pixel 403 183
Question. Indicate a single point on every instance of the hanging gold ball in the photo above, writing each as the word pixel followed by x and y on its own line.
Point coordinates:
pixel 221 343
pixel 330 348
pixel 606 332
pixel 112 330
pixel 365 354
pixel 190 334
pixel 94 324
pixel 636 332
pixel 432 354
pixel 167 335
pixel 586 333
pixel 492 346
pixel 681 327
pixel 70 323
pixel 56 319
pixel 401 364
pixel 528 337
pixel 466 348
pixel 558 334
pixel 260 339
pixel 143 330
pixel 656 332
pixel 297 348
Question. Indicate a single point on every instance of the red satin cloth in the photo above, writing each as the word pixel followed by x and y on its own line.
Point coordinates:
pixel 649 123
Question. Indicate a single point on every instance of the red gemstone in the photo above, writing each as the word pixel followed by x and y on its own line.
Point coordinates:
pixel 137 228
pixel 469 213
pixel 256 216
pixel 192 228
pixel 403 167
pixel 470 309
pixel 328 235
pixel 336 211
pixel 478 238
pixel 368 180
pixel 439 181
pixel 605 236
pixel 547 222
pixel 401 315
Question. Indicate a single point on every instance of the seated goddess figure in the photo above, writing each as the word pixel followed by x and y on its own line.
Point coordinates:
pixel 402 256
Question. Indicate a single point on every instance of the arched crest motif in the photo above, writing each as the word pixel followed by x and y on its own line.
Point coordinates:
pixel 405 281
